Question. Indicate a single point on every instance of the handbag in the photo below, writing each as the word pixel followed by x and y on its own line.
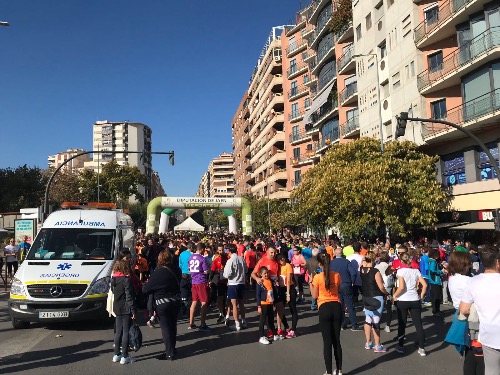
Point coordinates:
pixel 371 303
pixel 134 337
pixel 109 303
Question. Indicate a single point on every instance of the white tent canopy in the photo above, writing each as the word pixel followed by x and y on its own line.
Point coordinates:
pixel 189 225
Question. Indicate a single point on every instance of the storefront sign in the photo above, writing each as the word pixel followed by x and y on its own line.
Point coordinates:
pixel 485 215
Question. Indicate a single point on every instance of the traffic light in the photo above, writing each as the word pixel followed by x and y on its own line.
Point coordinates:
pixel 401 124
pixel 171 158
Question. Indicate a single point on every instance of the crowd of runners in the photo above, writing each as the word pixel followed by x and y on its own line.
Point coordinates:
pixel 174 274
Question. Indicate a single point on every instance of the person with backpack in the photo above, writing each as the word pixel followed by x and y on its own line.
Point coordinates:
pixel 389 280
pixel 164 286
pixel 124 309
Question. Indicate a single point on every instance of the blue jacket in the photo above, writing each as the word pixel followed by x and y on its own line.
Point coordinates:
pixel 261 293
pixel 434 273
pixel 424 265
pixel 347 270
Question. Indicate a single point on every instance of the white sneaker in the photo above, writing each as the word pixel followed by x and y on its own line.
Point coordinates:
pixel 235 327
pixel 116 358
pixel 264 341
pixel 278 337
pixel 127 360
pixel 387 329
pixel 422 352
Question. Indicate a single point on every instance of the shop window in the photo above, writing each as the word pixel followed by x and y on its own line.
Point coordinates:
pixel 454 169
pixel 487 172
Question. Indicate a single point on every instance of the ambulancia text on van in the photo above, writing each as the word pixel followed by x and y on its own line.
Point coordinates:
pixel 66 273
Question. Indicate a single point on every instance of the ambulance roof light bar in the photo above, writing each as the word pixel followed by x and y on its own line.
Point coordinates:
pixel 88 205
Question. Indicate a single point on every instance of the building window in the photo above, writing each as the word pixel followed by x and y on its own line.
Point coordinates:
pixel 368 21
pixel 295 110
pixel 412 69
pixel 396 81
pixel 296 152
pixel 385 89
pixel 454 168
pixel 358 32
pixel 294 89
pixel 438 109
pixel 487 172
pixel 431 15
pixel 297 177
pixel 307 103
pixel 435 61
pixel 293 66
pixel 382 49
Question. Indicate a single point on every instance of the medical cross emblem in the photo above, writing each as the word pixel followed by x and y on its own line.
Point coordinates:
pixel 64 266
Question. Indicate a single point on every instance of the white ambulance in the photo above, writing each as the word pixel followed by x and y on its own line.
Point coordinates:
pixel 66 273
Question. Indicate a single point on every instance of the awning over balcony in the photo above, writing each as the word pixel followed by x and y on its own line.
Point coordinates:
pixel 317 103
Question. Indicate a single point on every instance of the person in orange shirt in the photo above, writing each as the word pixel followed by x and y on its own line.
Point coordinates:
pixel 287 294
pixel 141 267
pixel 325 287
pixel 364 249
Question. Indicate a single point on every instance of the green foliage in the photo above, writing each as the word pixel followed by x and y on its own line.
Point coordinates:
pixel 356 188
pixel 341 16
pixel 137 212
pixel 215 219
pixel 21 188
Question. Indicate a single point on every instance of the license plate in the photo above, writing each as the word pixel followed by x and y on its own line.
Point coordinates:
pixel 53 314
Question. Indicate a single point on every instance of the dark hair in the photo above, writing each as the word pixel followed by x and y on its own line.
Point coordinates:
pixel 125 253
pixel 434 254
pixel 384 257
pixel 262 269
pixel 403 247
pixel 200 246
pixel 405 258
pixel 459 263
pixel 364 245
pixel 357 247
pixel 280 257
pixel 123 266
pixel 324 261
pixel 232 248
pixel 165 258
pixel 489 255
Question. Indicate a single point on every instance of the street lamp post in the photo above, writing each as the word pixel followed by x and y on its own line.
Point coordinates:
pixel 47 189
pixel 378 97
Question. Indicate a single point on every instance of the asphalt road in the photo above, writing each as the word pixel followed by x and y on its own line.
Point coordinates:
pixel 86 348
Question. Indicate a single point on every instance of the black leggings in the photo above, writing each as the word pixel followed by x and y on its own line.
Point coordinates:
pixel 167 313
pixel 473 364
pixel 293 307
pixel 330 320
pixel 388 312
pixel 299 282
pixel 415 309
pixel 266 316
pixel 10 266
pixel 436 296
pixel 122 326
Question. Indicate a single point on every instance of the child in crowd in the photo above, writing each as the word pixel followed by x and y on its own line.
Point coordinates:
pixel 265 299
pixel 141 268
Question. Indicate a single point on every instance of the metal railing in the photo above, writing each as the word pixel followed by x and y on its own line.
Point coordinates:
pixel 296 137
pixel 345 58
pixel 465 54
pixel 325 110
pixel 296 46
pixel 295 115
pixel 302 158
pixel 343 30
pixel 295 69
pixel 349 126
pixel 327 140
pixel 446 11
pixel 348 91
pixel 297 91
pixel 487 104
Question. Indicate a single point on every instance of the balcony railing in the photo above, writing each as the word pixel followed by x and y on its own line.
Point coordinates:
pixel 446 11
pixel 295 69
pixel 350 126
pixel 326 110
pixel 345 58
pixel 485 105
pixel 327 140
pixel 465 54
pixel 297 137
pixel 295 47
pixel 296 183
pixel 343 30
pixel 348 91
pixel 296 115
pixel 297 92
pixel 302 158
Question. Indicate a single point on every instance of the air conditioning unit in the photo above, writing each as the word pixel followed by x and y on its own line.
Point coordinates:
pixel 277 58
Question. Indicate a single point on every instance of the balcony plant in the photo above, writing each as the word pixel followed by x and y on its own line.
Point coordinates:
pixel 341 16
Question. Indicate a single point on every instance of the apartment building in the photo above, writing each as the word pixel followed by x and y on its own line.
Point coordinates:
pixel 262 119
pixel 221 176
pixel 157 189
pixel 296 87
pixel 204 186
pixel 112 138
pixel 459 81
pixel 55 161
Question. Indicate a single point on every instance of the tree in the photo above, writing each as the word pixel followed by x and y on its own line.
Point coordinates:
pixel 214 218
pixel 21 188
pixel 65 186
pixel 358 189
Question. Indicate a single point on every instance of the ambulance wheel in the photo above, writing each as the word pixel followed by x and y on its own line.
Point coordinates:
pixel 20 324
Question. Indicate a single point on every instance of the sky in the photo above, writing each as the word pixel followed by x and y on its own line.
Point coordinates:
pixel 180 67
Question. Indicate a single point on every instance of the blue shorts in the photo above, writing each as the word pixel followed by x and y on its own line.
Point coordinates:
pixel 235 291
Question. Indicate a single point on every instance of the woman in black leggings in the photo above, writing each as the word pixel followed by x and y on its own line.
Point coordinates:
pixel 325 287
pixel 287 294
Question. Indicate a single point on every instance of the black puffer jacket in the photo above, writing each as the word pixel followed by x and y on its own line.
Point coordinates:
pixel 124 295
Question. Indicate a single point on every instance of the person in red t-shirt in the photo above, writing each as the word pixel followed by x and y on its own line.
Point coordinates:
pixel 218 263
pixel 397 264
pixel 250 259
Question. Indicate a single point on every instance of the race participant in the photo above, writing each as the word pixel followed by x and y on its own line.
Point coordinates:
pixel 250 260
pixel 298 262
pixel 287 294
pixel 235 271
pixel 265 298
pixel 185 284
pixel 217 277
pixel 199 287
